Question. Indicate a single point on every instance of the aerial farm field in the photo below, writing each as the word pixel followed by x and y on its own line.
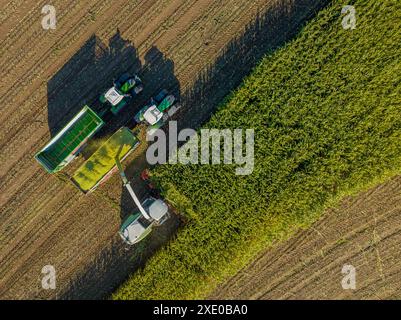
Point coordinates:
pixel 198 49
pixel 326 114
pixel 363 231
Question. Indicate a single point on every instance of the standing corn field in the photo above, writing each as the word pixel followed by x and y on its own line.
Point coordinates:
pixel 326 110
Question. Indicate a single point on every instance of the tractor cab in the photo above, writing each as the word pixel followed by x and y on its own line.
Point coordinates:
pixel 157 210
pixel 117 97
pixel 113 96
pixel 128 84
pixel 136 227
pixel 154 114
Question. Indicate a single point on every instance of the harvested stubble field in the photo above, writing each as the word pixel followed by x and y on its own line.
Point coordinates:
pixel 187 46
pixel 363 231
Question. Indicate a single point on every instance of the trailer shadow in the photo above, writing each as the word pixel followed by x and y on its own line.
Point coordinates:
pixel 269 31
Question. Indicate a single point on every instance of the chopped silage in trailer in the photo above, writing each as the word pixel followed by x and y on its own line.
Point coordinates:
pixel 102 162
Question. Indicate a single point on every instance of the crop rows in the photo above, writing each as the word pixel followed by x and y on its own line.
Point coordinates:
pixel 44 218
pixel 326 112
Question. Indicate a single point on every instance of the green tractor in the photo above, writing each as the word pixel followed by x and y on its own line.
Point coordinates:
pixel 155 114
pixel 124 89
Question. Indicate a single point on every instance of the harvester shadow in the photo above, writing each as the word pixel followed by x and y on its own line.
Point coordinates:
pixel 269 31
pixel 115 262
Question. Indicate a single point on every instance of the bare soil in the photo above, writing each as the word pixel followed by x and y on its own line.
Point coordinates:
pixel 198 49
pixel 364 231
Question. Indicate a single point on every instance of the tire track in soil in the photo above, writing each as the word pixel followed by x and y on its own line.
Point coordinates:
pixel 22 127
pixel 65 255
pixel 301 282
pixel 42 102
pixel 45 59
pixel 14 20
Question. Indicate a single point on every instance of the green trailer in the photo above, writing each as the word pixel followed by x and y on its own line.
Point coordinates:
pixel 66 145
pixel 102 164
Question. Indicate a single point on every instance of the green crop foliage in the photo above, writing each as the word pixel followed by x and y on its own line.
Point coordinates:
pixel 326 110
pixel 103 159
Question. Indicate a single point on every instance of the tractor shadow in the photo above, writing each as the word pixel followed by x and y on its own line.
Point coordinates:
pixel 86 75
pixel 269 31
pixel 157 74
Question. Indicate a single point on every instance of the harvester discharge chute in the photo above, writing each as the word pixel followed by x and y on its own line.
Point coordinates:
pixel 152 212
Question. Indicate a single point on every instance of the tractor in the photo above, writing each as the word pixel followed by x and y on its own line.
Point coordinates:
pixel 124 89
pixel 154 113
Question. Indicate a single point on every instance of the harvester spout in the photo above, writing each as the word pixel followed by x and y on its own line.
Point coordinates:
pixel 131 191
pixel 137 202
